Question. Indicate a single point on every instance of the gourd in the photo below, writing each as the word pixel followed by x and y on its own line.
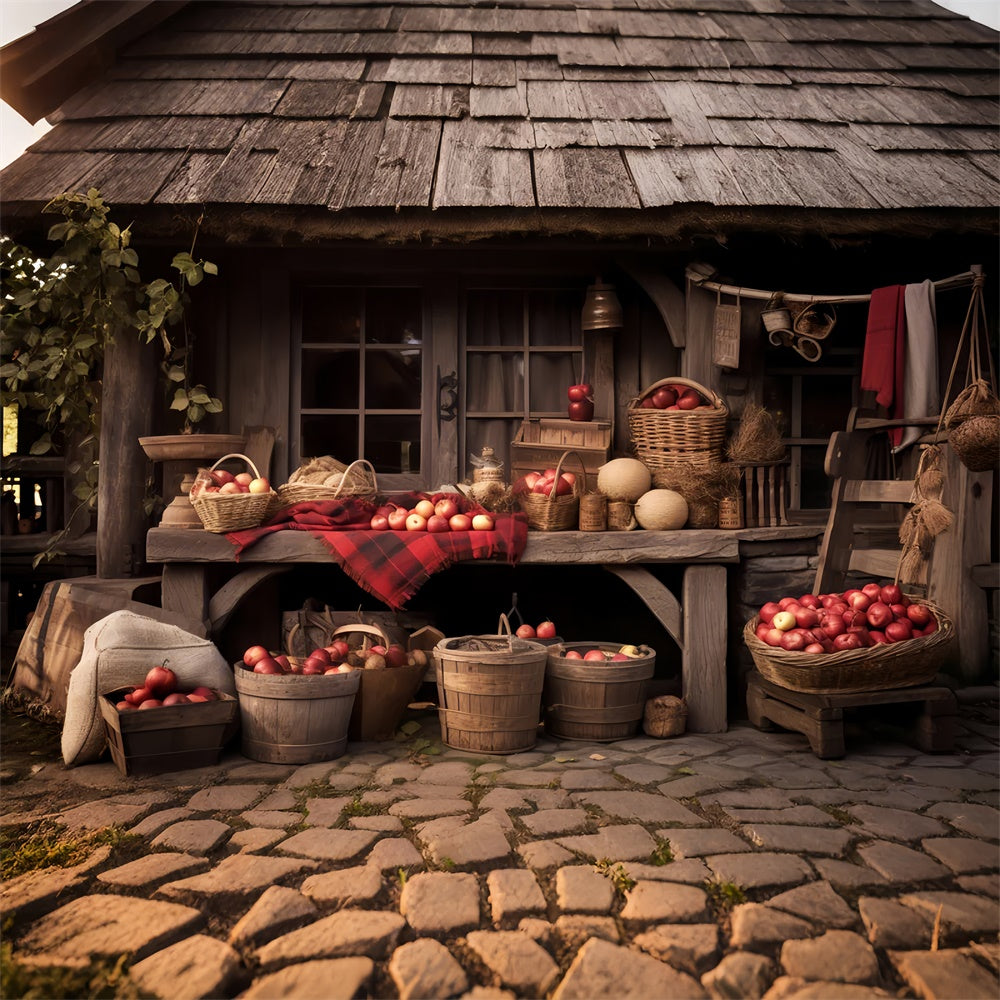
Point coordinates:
pixel 661 510
pixel 623 479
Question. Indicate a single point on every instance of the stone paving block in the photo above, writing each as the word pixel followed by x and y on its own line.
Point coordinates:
pixel 441 902
pixel 692 948
pixel 226 798
pixel 160 820
pixel 798 988
pixel 451 772
pixel 575 929
pixel 693 871
pixel 369 933
pixel 479 842
pixel 846 875
pixel 969 817
pixel 818 903
pixel 961 912
pixel 397 772
pixel 107 926
pixel 325 811
pixel 345 887
pixel 199 966
pixel 542 854
pixel 536 928
pixel 325 844
pixel 239 875
pixel 101 814
pixel 425 968
pixel 513 893
pixel 27 896
pixel 755 925
pixel 392 853
pixel 549 822
pixel 644 774
pixel 281 799
pixel 750 798
pixel 799 839
pixel 605 971
pixel 331 979
pixel 890 924
pixel 529 779
pixel 629 843
pixel 582 889
pixel 271 818
pixel 983 885
pixel 152 870
pixel 664 902
pixel 278 911
pixel 420 808
pixel 956 777
pixel 642 806
pixel 936 975
pixel 517 960
pixel 807 815
pixel 574 781
pixel 836 956
pixel 379 797
pixel 751 871
pixel 741 975
pixel 698 843
pixel 963 854
pixel 379 824
pixel 193 836
pixel 255 839
pixel 245 771
pixel 895 824
pixel 901 864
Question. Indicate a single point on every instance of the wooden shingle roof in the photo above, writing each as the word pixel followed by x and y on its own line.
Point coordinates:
pixel 638 107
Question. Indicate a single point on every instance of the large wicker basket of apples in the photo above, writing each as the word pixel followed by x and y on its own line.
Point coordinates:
pixel 872 638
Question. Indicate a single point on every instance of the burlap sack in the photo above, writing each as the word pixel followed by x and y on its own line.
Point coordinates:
pixel 118 651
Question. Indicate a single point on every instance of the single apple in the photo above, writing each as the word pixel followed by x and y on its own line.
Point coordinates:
pixel 849 640
pixel 203 692
pixel 573 654
pixel 773 636
pixel 581 391
pixel 460 522
pixel 243 479
pixel 446 507
pixel 810 601
pixel 526 632
pixel 581 409
pixel 482 522
pixel 424 508
pixel 254 654
pixel 320 653
pixel 546 630
pixel 879 615
pixel 416 522
pixel 663 397
pixel 783 621
pixel 762 629
pixel 919 614
pixel 268 665
pixel 860 601
pixel 873 590
pixel 175 698
pixel 899 630
pixel 259 485
pixel 437 523
pixel 786 602
pixel 793 640
pixel 768 611
pixel 814 647
pixel 379 522
pixel 891 594
pixel 688 400
pixel 595 654
pixel 222 476
pixel 805 617
pixel 150 703
pixel 397 519
pixel 618 658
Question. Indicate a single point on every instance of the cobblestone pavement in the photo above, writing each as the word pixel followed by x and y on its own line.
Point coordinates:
pixel 729 865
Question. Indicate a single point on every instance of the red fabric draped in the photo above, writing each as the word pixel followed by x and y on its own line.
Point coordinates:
pixel 884 362
pixel 391 565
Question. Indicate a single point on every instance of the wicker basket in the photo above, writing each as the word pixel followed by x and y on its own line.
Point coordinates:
pixel 876 668
pixel 664 716
pixel 357 480
pixel 665 438
pixel 556 513
pixel 224 512
pixel 976 441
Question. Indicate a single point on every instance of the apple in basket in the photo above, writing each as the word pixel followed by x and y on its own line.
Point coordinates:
pixel 221 476
pixel 259 485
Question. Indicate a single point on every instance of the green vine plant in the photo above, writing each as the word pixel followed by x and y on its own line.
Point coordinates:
pixel 58 314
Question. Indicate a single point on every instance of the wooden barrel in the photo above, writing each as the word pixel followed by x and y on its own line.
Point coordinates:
pixel 489 698
pixel 594 701
pixel 294 718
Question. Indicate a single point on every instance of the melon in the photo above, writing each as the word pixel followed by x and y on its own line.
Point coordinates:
pixel 623 479
pixel 661 510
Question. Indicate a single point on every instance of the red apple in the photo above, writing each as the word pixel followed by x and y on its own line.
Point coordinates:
pixel 312 669
pixel 862 633
pixel 397 519
pixel 879 615
pixel 125 706
pixel 833 625
pixel 663 397
pixel 437 523
pixel 138 696
pixel 161 681
pixel 339 648
pixel 805 617
pixel 175 698
pixel 546 630
pixel 768 611
pixel 482 522
pixel 380 522
pixel 268 665
pixel 322 654
pixel 424 508
pixel 860 601
pixel 203 692
pixel 919 614
pixel 573 654
pixel 647 403
pixel 899 630
pixel 254 654
pixel 773 636
pixel 582 391
pixel 446 507
pixel 878 638
pixel 595 654
pixel 810 601
pixel 793 640
pixel 873 590
pixel 416 522
pixel 460 522
pixel 395 656
pixel 618 657
pixel 930 627
pixel 222 476
pixel 150 703
pixel 762 629
pixel 891 594
pixel 786 602
pixel 898 610
pixel 530 478
pixel 814 647
pixel 229 489
pixel 849 640
pixel 526 631
pixel 688 400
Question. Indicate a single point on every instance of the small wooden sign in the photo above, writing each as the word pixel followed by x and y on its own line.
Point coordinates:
pixel 726 336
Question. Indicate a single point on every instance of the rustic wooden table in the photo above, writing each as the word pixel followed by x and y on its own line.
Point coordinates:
pixel 691 617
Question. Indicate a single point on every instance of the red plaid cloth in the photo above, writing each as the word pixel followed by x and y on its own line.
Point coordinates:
pixel 391 565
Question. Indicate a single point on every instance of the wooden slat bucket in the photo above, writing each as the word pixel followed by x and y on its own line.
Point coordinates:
pixel 490 691
pixel 594 701
pixel 295 718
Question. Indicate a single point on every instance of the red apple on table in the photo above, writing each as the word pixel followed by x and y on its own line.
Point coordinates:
pixel 460 522
pixel 446 507
pixel 397 519
pixel 581 409
pixel 379 522
pixel 582 391
pixel 424 508
pixel 436 524
pixel 416 522
pixel 546 630
pixel 482 522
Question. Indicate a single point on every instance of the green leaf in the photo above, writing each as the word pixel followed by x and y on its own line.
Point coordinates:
pixel 180 400
pixel 215 406
pixel 175 373
pixel 198 395
pixel 209 267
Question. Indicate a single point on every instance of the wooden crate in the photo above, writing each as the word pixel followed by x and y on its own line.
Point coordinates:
pixel 540 442
pixel 764 495
pixel 169 738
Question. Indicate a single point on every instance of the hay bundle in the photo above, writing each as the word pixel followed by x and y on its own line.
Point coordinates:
pixel 702 488
pixel 757 440
pixel 925 520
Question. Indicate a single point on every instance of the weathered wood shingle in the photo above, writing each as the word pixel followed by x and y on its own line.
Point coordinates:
pixel 522 104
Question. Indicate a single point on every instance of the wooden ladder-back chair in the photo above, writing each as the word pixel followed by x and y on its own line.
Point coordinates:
pixel 959 566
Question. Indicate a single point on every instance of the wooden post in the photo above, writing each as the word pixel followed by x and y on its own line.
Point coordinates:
pixel 126 415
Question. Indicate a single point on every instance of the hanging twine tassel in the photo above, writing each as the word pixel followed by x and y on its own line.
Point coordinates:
pixel 925 520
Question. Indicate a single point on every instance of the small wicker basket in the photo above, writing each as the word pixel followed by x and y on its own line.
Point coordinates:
pixel 356 480
pixel 662 439
pixel 552 512
pixel 664 716
pixel 224 512
pixel 876 668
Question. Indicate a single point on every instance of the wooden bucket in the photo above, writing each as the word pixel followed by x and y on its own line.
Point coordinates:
pixel 489 698
pixel 294 718
pixel 594 701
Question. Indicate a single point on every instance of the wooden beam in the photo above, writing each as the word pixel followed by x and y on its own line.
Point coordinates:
pixel 703 665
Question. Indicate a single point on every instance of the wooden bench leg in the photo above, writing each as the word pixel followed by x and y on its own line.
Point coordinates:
pixel 703 651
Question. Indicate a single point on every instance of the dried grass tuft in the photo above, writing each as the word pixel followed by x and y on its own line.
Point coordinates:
pixel 757 439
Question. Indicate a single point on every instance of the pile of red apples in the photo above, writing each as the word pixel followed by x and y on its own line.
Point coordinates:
pixel 426 515
pixel 856 619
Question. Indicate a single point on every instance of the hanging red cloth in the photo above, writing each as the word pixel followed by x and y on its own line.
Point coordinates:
pixel 884 362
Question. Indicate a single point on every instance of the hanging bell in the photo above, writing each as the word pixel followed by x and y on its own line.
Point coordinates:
pixel 601 308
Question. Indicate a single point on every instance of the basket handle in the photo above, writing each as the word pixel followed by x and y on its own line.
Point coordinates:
pixel 576 488
pixel 235 454
pixel 709 394
pixel 505 623
pixel 343 475
pixel 374 630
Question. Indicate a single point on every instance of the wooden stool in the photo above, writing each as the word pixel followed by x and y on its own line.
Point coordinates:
pixel 820 717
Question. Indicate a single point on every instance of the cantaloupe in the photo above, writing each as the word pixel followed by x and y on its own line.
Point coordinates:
pixel 623 479
pixel 661 510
